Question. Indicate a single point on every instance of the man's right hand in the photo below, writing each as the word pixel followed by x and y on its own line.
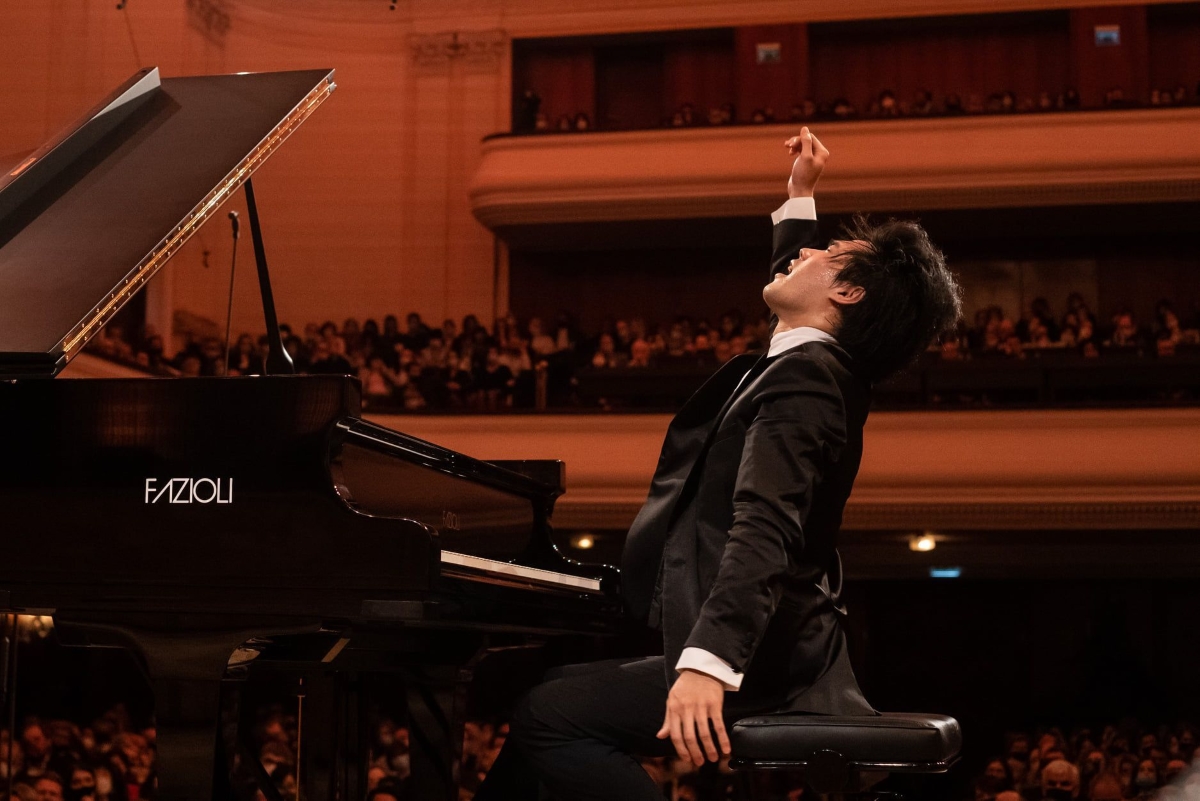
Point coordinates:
pixel 810 161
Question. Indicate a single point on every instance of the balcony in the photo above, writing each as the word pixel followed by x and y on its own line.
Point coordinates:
pixel 1083 157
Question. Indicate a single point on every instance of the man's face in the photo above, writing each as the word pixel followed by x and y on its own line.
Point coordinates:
pixel 805 289
pixel 36 742
pixel 48 790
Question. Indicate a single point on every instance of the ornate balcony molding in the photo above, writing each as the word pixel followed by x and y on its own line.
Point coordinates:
pixel 985 471
pixel 1130 156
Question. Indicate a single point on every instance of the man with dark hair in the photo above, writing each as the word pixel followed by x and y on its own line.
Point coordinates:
pixel 733 556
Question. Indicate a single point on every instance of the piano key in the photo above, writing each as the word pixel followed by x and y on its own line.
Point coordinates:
pixel 509 570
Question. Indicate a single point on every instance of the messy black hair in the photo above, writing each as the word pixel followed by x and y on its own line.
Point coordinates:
pixel 910 297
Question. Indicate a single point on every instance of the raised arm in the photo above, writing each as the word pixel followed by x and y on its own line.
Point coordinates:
pixel 796 220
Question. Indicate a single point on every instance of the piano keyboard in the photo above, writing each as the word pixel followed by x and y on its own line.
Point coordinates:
pixel 510 572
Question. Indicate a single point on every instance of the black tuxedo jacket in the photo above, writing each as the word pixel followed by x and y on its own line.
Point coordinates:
pixel 734 549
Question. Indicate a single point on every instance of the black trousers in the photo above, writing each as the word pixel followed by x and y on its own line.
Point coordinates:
pixel 576 735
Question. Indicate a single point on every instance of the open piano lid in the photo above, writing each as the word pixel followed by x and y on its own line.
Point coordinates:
pixel 90 217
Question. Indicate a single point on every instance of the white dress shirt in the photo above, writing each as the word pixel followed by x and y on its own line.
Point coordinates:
pixel 698 659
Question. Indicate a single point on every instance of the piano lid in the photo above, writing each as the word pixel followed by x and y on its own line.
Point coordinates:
pixel 87 219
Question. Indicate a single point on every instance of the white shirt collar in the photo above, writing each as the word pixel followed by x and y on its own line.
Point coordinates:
pixel 794 337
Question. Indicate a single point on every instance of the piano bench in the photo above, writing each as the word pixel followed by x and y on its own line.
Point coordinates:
pixel 842 757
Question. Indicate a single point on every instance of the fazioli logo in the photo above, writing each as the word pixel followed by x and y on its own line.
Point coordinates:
pixel 189 490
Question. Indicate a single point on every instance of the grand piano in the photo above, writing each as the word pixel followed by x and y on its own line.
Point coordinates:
pixel 226 528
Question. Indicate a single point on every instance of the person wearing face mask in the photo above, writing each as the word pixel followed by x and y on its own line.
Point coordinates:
pixel 1146 779
pixel 82 786
pixel 996 778
pixel 1060 781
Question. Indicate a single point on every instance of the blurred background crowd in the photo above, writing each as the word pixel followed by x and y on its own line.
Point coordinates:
pixel 472 367
pixel 112 758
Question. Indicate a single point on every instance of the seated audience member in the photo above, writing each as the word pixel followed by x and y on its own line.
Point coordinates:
pixel 997 777
pixel 1091 764
pixel 922 105
pixel 623 336
pixel 327 361
pixel 449 332
pixel 352 334
pixel 886 105
pixel 387 790
pixel 606 355
pixel 722 351
pixel 703 349
pixel 541 344
pixel 49 787
pixel 1146 779
pixel 1125 333
pixel 1105 787
pixel 243 358
pixel 83 784
pixel 1060 781
pixel 36 746
pixel 494 382
pixel 1126 772
pixel 640 353
pixel 416 337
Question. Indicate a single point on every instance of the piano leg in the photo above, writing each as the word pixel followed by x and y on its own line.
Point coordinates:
pixel 186 714
pixel 435 733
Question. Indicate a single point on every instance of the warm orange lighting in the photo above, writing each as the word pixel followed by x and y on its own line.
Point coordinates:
pixel 583 542
pixel 925 542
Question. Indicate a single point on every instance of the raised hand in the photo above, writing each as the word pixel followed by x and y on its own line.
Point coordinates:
pixel 810 161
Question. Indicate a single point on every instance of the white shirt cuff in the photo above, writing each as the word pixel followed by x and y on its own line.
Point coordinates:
pixel 796 208
pixel 702 661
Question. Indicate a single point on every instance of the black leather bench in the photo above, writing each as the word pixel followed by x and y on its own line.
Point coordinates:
pixel 845 756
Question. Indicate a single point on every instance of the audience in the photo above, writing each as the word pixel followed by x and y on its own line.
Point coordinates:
pixel 468 367
pixel 1110 764
pixel 58 760
pixel 885 105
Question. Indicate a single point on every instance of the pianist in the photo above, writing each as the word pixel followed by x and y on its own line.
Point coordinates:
pixel 733 556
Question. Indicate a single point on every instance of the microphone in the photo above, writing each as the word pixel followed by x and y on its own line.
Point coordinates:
pixel 233 218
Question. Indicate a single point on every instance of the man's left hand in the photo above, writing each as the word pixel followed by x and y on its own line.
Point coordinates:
pixel 693 714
